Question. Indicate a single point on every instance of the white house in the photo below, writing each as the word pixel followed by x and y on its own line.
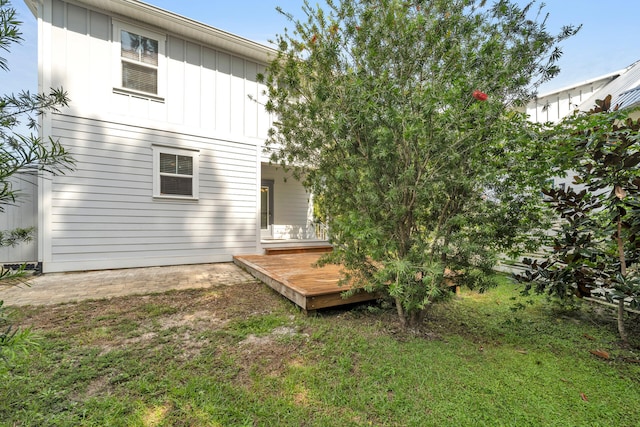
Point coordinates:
pixel 166 124
pixel 622 85
pixel 553 106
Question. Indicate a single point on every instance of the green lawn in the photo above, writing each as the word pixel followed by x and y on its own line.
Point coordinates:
pixel 243 356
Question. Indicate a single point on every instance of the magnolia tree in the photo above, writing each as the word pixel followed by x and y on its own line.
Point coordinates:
pixel 596 249
pixel 402 116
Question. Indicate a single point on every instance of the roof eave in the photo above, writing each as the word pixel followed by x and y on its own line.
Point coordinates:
pixel 178 25
pixel 609 77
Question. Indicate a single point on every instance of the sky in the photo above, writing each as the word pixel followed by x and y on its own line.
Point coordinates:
pixel 607 42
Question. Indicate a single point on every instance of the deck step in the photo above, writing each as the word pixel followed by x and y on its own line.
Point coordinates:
pixel 298 250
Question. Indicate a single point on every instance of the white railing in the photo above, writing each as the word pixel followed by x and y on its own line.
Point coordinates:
pixel 321 231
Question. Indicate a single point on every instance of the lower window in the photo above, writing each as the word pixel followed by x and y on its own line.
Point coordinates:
pixel 175 172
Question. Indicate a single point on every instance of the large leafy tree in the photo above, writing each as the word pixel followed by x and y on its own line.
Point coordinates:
pixel 596 249
pixel 401 115
pixel 19 155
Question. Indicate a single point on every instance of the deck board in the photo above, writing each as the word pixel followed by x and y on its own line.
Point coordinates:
pixel 296 277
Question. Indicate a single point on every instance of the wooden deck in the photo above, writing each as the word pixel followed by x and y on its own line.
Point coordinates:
pixel 295 277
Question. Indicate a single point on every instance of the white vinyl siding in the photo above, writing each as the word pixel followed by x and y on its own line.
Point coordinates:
pixel 80 49
pixel 553 107
pixel 22 214
pixel 293 208
pixel 103 214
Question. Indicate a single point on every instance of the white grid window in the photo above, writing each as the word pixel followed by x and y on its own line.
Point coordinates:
pixel 175 173
pixel 140 62
pixel 139 56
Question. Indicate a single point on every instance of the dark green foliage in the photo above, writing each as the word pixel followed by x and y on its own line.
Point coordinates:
pixel 400 116
pixel 596 249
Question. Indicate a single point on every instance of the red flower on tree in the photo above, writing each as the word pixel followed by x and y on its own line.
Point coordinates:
pixel 479 95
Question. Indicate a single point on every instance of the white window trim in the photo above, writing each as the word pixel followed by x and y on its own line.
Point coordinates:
pixel 194 154
pixel 117 62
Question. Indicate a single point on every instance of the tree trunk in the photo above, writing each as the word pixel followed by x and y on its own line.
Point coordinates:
pixel 416 318
pixel 409 320
pixel 401 313
pixel 621 329
pixel 623 271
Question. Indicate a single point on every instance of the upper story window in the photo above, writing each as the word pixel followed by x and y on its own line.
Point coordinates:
pixel 140 60
pixel 139 56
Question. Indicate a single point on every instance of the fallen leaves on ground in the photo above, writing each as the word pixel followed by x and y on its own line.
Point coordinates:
pixel 600 353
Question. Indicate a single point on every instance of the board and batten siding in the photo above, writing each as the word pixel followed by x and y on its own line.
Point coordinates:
pixel 103 214
pixel 554 106
pixel 202 90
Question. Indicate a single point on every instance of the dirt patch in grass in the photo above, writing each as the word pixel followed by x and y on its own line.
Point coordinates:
pixel 194 322
pixel 123 322
pixel 269 355
pixel 97 387
pixel 200 309
pixel 184 319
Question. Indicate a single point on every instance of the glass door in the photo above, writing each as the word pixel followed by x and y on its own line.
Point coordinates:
pixel 266 207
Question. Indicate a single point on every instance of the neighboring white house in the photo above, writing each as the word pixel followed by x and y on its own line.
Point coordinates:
pixel 623 86
pixel 166 124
